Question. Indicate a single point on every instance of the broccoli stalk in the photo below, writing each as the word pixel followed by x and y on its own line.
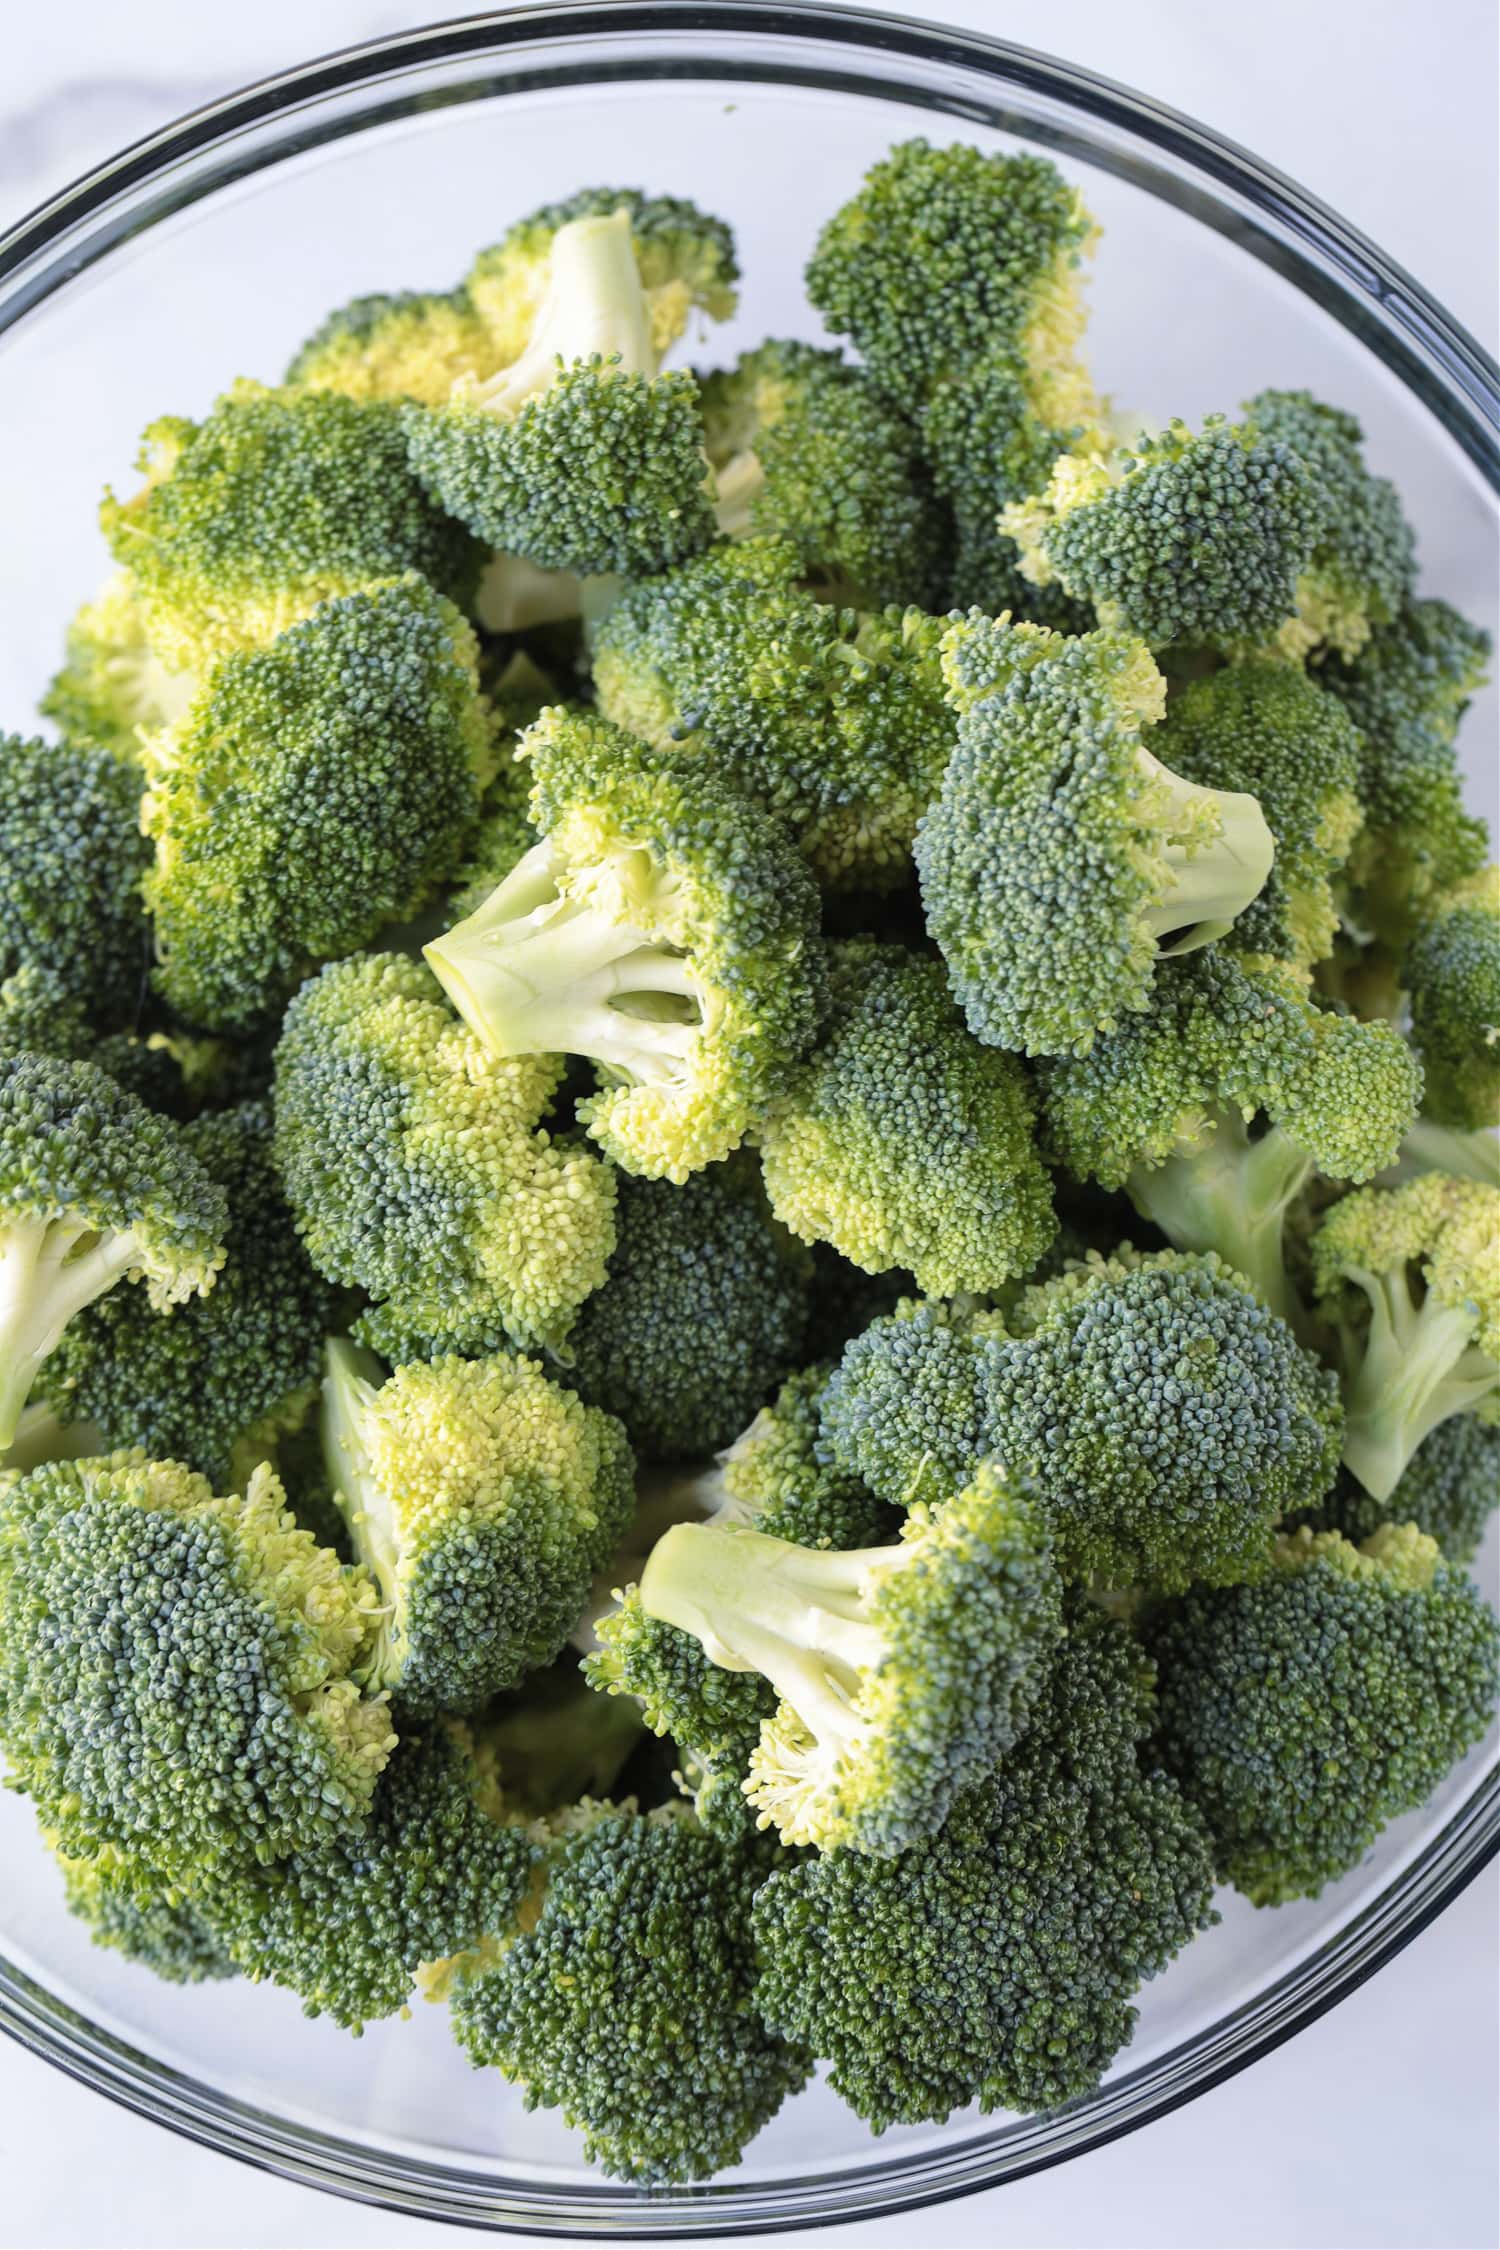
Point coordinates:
pixel 49 1270
pixel 1215 852
pixel 1231 1194
pixel 1419 1365
pixel 351 1380
pixel 594 305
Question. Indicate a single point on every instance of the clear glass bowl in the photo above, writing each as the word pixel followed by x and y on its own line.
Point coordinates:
pixel 210 251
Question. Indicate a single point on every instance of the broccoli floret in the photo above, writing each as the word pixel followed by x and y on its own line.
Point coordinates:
pixel 93 1187
pixel 906 1409
pixel 279 501
pixel 902 1671
pixel 41 1015
pixel 71 863
pixel 701 1313
pixel 554 1741
pixel 1452 973
pixel 1061 856
pixel 416 1169
pixel 482 1497
pixel 664 928
pixel 997 1962
pixel 114 684
pixel 1449 1489
pixel 1167 1418
pixel 626 2001
pixel 189 1385
pixel 176 1669
pixel 315 790
pixel 146 1920
pixel 411 343
pixel 1303 1713
pixel 903 1141
pixel 776 1478
pixel 1410 1278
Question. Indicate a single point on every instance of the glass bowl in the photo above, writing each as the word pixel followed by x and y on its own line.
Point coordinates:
pixel 210 251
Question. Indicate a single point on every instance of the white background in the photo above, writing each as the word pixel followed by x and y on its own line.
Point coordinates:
pixel 1378 2126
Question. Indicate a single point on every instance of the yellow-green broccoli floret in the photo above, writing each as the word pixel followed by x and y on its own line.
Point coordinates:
pixel 114 685
pixel 130 1912
pixel 777 1477
pixel 1449 1489
pixel 71 863
pixel 408 343
pixel 1451 971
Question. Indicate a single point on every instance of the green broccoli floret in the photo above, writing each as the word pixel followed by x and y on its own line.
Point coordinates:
pixel 1449 1489
pixel 834 719
pixel 1451 970
pixel 554 1741
pixel 776 1477
pixel 315 790
pixel 906 1410
pixel 176 1669
pixel 114 685
pixel 1411 1278
pixel 191 1383
pixel 998 1961
pixel 93 1187
pixel 1303 1713
pixel 416 1168
pixel 903 1141
pixel 1268 730
pixel 626 2000
pixel 701 1313
pixel 482 1498
pixel 664 928
pixel 804 448
pixel 1061 857
pixel 409 343
pixel 147 1921
pixel 901 1671
pixel 279 501
pixel 40 1014
pixel 1168 1420
pixel 71 862
pixel 1184 536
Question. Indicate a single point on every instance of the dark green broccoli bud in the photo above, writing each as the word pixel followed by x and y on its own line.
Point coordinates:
pixel 664 928
pixel 776 1478
pixel 903 1141
pixel 94 1187
pixel 1304 1712
pixel 701 1313
pixel 626 2002
pixel 278 502
pixel 1167 1419
pixel 410 343
pixel 997 1962
pixel 1452 972
pixel 901 1671
pixel 1449 1489
pixel 907 1408
pixel 415 1167
pixel 1268 730
pixel 146 1920
pixel 188 1385
pixel 553 1741
pixel 176 1669
pixel 71 862
pixel 41 1015
pixel 1061 856
pixel 114 686
pixel 1410 1278
pixel 845 1300
pixel 316 790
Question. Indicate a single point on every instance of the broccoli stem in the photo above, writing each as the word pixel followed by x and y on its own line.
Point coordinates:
pixel 594 306
pixel 1437 1148
pixel 49 1270
pixel 1418 1365
pixel 737 487
pixel 1231 1195
pixel 1217 852
pixel 351 1381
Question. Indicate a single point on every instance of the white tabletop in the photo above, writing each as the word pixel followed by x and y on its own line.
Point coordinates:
pixel 1375 2128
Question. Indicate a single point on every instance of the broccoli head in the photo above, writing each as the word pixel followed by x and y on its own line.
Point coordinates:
pixel 906 1410
pixel 408 343
pixel 71 863
pixel 145 1919
pixel 776 1477
pixel 1449 1489
pixel 113 685
pixel 1451 971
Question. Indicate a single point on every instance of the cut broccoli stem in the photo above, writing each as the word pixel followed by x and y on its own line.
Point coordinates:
pixel 1217 851
pixel 49 1270
pixel 737 487
pixel 1437 1148
pixel 1418 1365
pixel 351 1379
pixel 594 306
pixel 1231 1195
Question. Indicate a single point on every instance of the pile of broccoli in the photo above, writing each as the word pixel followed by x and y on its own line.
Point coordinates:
pixel 749 1236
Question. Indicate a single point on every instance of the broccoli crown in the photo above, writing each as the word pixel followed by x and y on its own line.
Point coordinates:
pixel 175 1668
pixel 278 501
pixel 1410 1277
pixel 998 1960
pixel 1449 1489
pixel 189 1385
pixel 1304 1712
pixel 1060 853
pixel 1363 563
pixel 1167 1417
pixel 626 2002
pixel 901 1671
pixel 1268 729
pixel 71 862
pixel 482 1497
pixel 903 1141
pixel 664 928
pixel 805 449
pixel 113 683
pixel 407 343
pixel 907 1408
pixel 41 1015
pixel 1452 972
pixel 701 1313
pixel 415 1167
pixel 714 1716
pixel 145 1919
pixel 776 1479
pixel 315 790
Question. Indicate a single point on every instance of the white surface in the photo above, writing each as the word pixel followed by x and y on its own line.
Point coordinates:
pixel 1378 2126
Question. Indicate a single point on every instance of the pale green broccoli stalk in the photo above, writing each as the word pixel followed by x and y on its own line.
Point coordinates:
pixel 1303 1713
pixel 1437 1148
pixel 279 501
pixel 482 1497
pixel 1451 971
pixel 144 1919
pixel 553 1741
pixel 114 686
pixel 1449 1489
pixel 94 1187
pixel 902 1672
pixel 1061 857
pixel 42 1436
pixel 409 343
pixel 903 1142
pixel 71 862
pixel 906 1410
pixel 663 928
pixel 1411 1278
pixel 417 1167
pixel 225 1730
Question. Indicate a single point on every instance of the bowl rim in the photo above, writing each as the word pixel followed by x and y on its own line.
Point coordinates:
pixel 1438 359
